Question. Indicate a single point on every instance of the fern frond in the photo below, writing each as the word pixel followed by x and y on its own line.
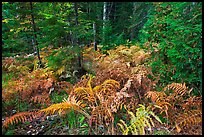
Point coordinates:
pixel 127 85
pixel 101 115
pixel 153 95
pixel 123 126
pixel 20 117
pixel 111 82
pixel 192 101
pixel 178 88
pixel 139 121
pixel 69 104
pixel 189 118
pixel 42 99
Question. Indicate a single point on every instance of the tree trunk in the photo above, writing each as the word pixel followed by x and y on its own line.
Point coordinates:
pixel 76 33
pixel 104 18
pixel 94 31
pixel 109 11
pixel 35 35
pixel 133 28
pixel 104 13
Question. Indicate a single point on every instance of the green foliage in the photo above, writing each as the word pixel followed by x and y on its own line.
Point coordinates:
pixel 139 121
pixel 72 119
pixel 10 132
pixel 16 28
pixel 62 61
pixel 176 28
pixel 58 97
pixel 171 35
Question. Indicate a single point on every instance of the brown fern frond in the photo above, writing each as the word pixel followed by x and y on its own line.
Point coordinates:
pixel 118 100
pixel 63 85
pixel 21 117
pixel 189 118
pixel 131 103
pixel 153 95
pixel 156 96
pixel 102 116
pixel 192 102
pixel 159 98
pixel 42 99
pixel 178 88
pixel 127 85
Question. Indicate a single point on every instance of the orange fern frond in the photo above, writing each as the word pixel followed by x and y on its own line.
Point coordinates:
pixel 111 83
pixel 178 88
pixel 20 117
pixel 68 104
pixel 155 96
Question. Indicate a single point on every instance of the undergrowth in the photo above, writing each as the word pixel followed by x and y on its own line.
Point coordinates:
pixel 122 97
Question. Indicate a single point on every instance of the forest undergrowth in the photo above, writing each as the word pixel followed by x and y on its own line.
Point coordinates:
pixel 118 95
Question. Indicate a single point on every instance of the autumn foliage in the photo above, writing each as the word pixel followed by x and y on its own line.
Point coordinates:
pixel 122 86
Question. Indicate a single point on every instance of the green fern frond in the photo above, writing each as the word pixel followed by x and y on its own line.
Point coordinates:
pixel 139 121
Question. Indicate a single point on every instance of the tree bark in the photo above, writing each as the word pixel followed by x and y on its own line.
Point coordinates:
pixel 104 13
pixel 94 31
pixel 76 33
pixel 35 35
pixel 104 18
pixel 133 28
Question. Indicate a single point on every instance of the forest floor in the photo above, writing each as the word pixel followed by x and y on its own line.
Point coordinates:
pixel 121 64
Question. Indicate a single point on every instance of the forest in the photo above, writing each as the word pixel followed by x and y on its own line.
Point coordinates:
pixel 101 68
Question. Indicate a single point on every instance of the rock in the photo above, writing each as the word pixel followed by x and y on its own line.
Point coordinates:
pixel 29 132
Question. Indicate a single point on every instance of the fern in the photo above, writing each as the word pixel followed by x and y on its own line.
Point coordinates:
pixel 21 117
pixel 42 99
pixel 139 121
pixel 181 110
pixel 70 103
pixel 188 119
pixel 178 88
pixel 192 102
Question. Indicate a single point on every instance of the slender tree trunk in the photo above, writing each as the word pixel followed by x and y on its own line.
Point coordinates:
pixel 104 13
pixel 76 39
pixel 133 28
pixel 109 11
pixel 35 35
pixel 104 18
pixel 94 32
